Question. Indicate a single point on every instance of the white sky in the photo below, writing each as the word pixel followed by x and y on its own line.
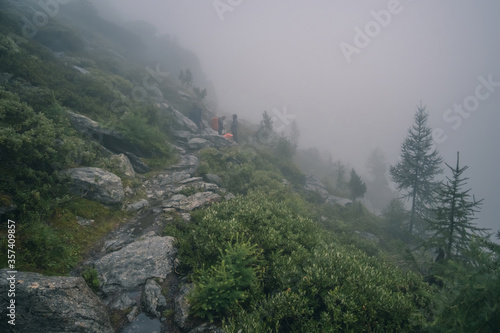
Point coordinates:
pixel 281 54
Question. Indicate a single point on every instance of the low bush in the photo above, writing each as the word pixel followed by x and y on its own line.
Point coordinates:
pixel 91 277
pixel 221 287
pixel 309 281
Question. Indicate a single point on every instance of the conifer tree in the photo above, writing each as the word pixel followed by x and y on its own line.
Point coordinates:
pixel 357 187
pixel 452 229
pixel 419 165
pixel 340 175
pixel 267 121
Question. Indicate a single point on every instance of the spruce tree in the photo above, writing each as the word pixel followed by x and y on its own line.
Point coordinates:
pixel 452 229
pixel 419 165
pixel 267 121
pixel 357 187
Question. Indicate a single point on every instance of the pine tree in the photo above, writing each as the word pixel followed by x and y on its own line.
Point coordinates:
pixel 267 121
pixel 419 165
pixel 357 187
pixel 452 229
pixel 340 175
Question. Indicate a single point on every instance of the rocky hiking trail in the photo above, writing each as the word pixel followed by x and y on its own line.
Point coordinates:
pixel 140 290
pixel 139 287
pixel 136 264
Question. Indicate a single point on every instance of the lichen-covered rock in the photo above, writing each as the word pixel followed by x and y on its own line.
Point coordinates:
pixel 138 165
pixel 131 266
pixel 152 298
pixel 180 119
pixel 106 137
pixel 95 184
pixel 135 206
pixel 124 165
pixel 187 162
pixel 198 143
pixel 182 306
pixel 187 204
pixel 198 200
pixel 52 304
pixel 313 184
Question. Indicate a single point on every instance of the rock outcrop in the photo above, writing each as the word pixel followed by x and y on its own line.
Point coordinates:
pixel 182 306
pixel 95 184
pixel 314 185
pixel 198 143
pixel 152 298
pixel 131 266
pixel 138 165
pixel 124 165
pixel 180 119
pixel 187 204
pixel 53 304
pixel 106 137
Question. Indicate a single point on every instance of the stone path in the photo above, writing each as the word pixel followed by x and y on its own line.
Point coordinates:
pixel 136 262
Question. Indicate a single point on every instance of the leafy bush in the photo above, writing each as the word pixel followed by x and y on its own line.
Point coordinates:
pixel 469 300
pixel 310 282
pixel 221 287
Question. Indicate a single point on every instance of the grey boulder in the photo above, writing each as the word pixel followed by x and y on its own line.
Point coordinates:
pixel 131 266
pixel 95 184
pixel 152 298
pixel 52 304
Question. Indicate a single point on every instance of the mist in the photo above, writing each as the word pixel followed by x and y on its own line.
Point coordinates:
pixel 351 74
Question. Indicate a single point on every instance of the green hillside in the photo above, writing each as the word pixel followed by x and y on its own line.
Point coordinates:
pixel 276 258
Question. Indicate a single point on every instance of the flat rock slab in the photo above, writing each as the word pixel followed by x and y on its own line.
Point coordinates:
pixel 53 304
pixel 96 184
pixel 130 267
pixel 198 143
pixel 198 200
pixel 187 204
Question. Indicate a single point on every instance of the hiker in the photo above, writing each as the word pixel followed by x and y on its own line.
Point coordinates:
pixel 195 116
pixel 221 124
pixel 234 128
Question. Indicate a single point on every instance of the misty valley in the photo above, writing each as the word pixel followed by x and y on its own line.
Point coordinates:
pixel 148 186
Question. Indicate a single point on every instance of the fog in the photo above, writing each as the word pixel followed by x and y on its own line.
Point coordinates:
pixel 352 91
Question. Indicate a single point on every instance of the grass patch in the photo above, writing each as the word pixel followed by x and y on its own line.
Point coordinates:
pixel 83 238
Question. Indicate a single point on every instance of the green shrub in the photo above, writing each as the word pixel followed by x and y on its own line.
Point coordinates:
pixel 91 277
pixel 221 287
pixel 309 281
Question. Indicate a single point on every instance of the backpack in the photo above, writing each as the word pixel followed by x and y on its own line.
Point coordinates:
pixel 215 123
